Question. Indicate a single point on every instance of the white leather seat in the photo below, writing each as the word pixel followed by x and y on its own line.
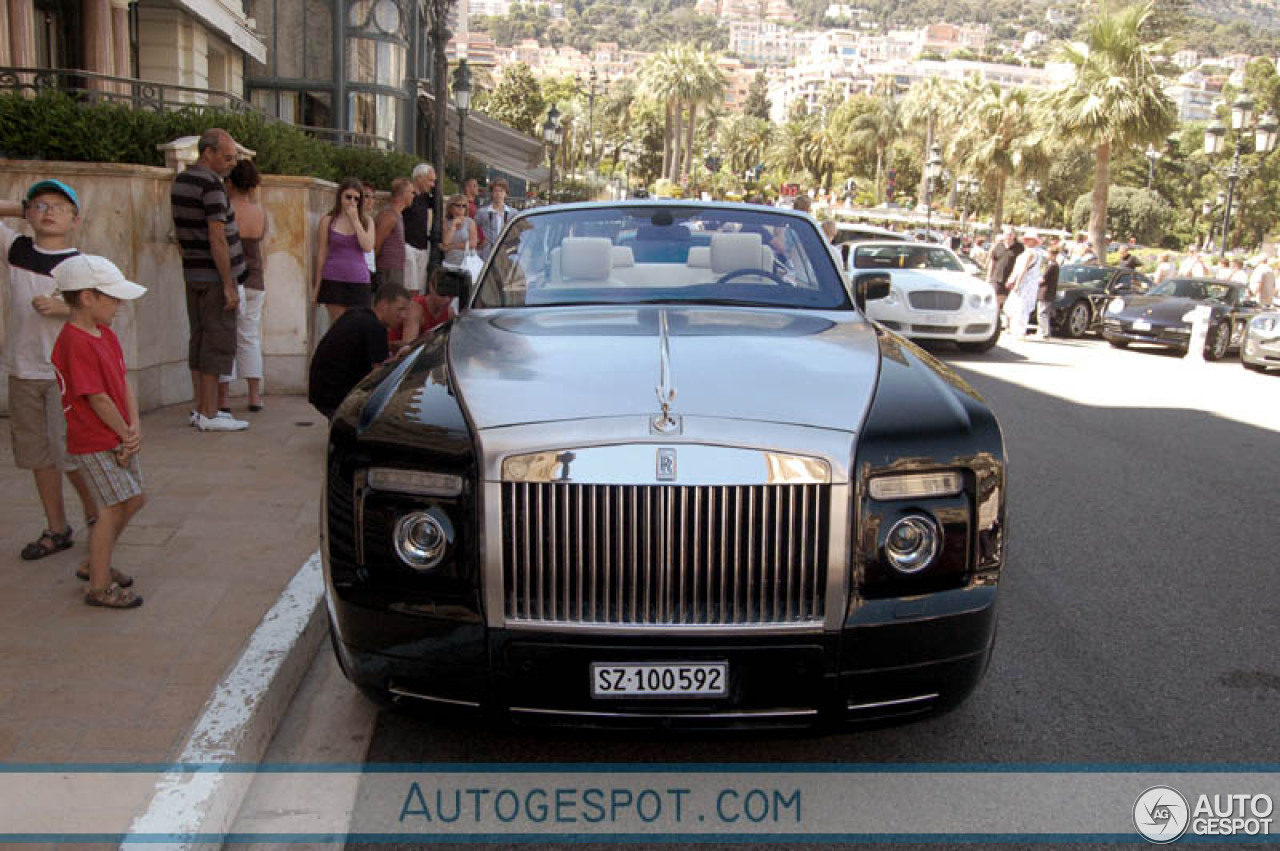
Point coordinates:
pixel 699 257
pixel 733 251
pixel 584 260
pixel 623 257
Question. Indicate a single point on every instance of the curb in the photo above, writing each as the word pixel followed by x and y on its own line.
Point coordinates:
pixel 239 720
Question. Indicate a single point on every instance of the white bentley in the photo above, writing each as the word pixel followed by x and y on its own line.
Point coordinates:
pixel 932 297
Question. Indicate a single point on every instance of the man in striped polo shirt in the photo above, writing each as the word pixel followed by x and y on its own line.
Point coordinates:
pixel 213 267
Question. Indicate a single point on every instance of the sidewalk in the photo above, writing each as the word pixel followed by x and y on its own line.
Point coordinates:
pixel 230 519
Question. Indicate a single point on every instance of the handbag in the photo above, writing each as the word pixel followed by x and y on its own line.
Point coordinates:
pixel 473 264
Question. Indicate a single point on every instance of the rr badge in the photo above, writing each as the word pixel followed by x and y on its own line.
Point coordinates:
pixel 666 465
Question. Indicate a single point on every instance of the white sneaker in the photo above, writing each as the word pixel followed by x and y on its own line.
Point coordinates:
pixel 194 418
pixel 221 423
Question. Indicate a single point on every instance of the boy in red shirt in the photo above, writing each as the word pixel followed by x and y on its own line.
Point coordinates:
pixel 104 430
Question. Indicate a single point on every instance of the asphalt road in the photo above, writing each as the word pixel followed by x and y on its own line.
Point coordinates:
pixel 1140 614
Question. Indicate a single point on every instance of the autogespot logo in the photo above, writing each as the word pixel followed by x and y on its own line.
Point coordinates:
pixel 1161 814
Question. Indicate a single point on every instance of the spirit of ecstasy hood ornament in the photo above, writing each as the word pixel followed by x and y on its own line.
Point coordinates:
pixel 665 422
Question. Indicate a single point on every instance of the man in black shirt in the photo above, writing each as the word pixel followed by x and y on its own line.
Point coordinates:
pixel 355 344
pixel 1003 255
pixel 418 228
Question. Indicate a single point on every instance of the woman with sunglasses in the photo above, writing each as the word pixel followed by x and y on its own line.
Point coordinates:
pixel 343 236
pixel 459 231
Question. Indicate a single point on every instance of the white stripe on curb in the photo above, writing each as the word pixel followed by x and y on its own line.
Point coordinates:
pixel 240 718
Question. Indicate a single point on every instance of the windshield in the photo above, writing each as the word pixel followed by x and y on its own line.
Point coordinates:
pixel 1083 274
pixel 606 254
pixel 905 256
pixel 1199 290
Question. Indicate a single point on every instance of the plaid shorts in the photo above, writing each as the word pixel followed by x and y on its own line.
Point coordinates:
pixel 111 482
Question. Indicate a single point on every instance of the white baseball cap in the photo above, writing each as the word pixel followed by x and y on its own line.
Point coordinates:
pixel 91 272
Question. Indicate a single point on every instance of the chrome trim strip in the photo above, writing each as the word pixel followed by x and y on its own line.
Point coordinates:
pixel 403 692
pixel 852 707
pixel 359 485
pixel 839 556
pixel 812 626
pixel 761 713
pixel 633 464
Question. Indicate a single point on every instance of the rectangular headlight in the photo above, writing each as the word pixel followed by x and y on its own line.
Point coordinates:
pixel 916 485
pixel 414 482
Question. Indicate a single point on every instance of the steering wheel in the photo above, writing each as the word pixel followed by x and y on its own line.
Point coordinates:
pixel 759 273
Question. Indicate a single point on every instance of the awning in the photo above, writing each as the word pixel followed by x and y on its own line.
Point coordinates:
pixel 227 23
pixel 492 142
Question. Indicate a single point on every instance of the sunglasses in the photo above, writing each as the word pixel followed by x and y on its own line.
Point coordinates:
pixel 43 207
pixel 350 197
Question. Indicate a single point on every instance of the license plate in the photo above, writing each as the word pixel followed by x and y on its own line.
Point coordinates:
pixel 659 679
pixel 935 319
pixel 1141 325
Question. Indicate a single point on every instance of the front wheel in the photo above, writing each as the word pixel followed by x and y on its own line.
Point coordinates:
pixel 1215 347
pixel 982 345
pixel 1078 318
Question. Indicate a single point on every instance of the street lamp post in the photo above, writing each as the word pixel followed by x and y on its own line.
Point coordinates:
pixel 1242 119
pixel 1033 189
pixel 1152 156
pixel 713 165
pixel 462 103
pixel 551 135
pixel 932 168
pixel 968 186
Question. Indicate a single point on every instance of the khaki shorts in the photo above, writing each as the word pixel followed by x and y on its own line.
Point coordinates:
pixel 110 482
pixel 38 423
pixel 213 330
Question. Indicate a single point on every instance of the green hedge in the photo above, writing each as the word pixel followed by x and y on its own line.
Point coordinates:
pixel 57 126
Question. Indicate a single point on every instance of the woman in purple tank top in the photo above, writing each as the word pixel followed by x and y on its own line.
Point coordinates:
pixel 342 277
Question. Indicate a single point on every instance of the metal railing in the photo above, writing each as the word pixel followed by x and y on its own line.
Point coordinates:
pixel 91 88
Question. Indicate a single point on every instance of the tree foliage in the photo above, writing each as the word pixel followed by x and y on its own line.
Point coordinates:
pixel 757 104
pixel 516 101
pixel 1132 212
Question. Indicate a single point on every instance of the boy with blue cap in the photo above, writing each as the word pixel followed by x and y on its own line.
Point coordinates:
pixel 34 318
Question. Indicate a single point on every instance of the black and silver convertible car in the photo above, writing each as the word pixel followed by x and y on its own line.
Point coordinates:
pixel 1163 316
pixel 1083 293
pixel 695 489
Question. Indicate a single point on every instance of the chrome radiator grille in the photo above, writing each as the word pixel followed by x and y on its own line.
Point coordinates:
pixel 935 300
pixel 645 555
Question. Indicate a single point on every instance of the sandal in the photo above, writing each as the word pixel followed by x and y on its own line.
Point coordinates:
pixel 112 597
pixel 58 541
pixel 124 580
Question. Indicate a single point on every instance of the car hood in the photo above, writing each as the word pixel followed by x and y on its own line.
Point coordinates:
pixel 936 279
pixel 531 365
pixel 1161 308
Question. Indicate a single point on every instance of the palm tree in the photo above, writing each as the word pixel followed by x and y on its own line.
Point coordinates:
pixel 706 86
pixel 931 103
pixel 1002 137
pixel 744 139
pixel 658 81
pixel 1117 99
pixel 876 131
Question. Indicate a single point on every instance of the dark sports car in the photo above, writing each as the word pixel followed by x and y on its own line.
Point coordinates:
pixel 1162 316
pixel 1083 293
pixel 698 489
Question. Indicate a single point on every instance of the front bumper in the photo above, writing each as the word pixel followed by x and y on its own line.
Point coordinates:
pixel 966 325
pixel 894 658
pixel 1169 336
pixel 1261 351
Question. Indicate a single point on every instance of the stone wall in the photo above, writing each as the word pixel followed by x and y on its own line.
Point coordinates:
pixel 125 216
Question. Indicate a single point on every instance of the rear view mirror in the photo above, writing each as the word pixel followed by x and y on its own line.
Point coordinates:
pixel 870 286
pixel 454 283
